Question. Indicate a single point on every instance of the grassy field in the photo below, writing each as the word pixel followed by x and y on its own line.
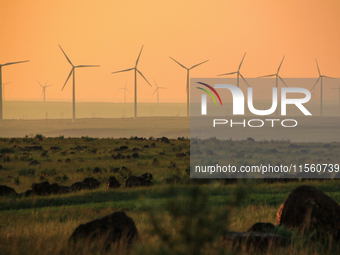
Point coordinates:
pixel 43 224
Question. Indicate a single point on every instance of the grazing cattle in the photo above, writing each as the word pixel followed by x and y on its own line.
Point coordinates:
pixel 136 181
pixel 114 228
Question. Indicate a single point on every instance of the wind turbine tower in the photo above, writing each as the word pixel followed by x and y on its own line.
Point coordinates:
pixel 157 89
pixel 44 89
pixel 125 89
pixel 136 71
pixel 3 89
pixel 1 65
pixel 188 77
pixel 74 83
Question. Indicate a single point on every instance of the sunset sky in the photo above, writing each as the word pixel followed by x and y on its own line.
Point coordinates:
pixel 111 33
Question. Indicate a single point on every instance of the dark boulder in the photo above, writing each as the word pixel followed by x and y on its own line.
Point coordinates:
pixel 256 241
pixel 45 188
pixel 123 147
pixel 262 227
pixel 33 148
pixel 115 170
pixel 309 209
pixel 115 228
pixel 136 181
pixel 34 163
pixel 135 155
pixel 6 191
pixel 87 183
pixel 113 183
pixel 118 156
pixel 97 170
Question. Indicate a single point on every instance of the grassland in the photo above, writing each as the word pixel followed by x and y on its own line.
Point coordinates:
pixel 43 224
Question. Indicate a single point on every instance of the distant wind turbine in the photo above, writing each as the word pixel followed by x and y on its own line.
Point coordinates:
pixel 238 73
pixel 125 89
pixel 277 76
pixel 314 95
pixel 188 76
pixel 1 65
pixel 3 89
pixel 157 89
pixel 44 89
pixel 338 89
pixel 136 70
pixel 74 82
pixel 320 78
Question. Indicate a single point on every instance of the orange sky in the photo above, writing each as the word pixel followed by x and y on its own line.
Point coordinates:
pixel 111 33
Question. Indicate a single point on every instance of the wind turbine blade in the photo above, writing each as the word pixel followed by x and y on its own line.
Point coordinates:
pixel 241 61
pixel 154 92
pixel 40 84
pixel 318 66
pixel 88 66
pixel 123 70
pixel 144 77
pixel 270 75
pixel 315 83
pixel 280 64
pixel 13 63
pixel 161 88
pixel 68 78
pixel 121 88
pixel 3 84
pixel 244 80
pixel 282 80
pixel 139 55
pixel 226 73
pixel 324 76
pixel 198 64
pixel 178 63
pixel 48 86
pixel 155 83
pixel 66 56
pixel 127 90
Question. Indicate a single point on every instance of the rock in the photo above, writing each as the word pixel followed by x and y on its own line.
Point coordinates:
pixel 6 191
pixel 68 160
pixel 250 139
pixel 210 153
pixel 118 156
pixel 33 148
pixel 309 209
pixel 136 181
pixel 113 183
pixel 97 170
pixel 34 163
pixel 146 146
pixel 256 240
pixel 135 149
pixel 1 167
pixel 114 228
pixel 163 139
pixel 87 183
pixel 123 147
pixel 45 188
pixel 54 148
pixel 135 155
pixel 153 145
pixel 115 170
pixel 27 193
pixel 262 227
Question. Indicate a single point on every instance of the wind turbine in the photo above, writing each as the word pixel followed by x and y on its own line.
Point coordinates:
pixel 188 70
pixel 44 88
pixel 125 89
pixel 3 88
pixel 313 95
pixel 157 89
pixel 136 70
pixel 238 73
pixel 320 78
pixel 277 76
pixel 74 82
pixel 1 65
pixel 338 89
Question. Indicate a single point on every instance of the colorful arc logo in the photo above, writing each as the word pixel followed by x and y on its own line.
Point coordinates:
pixel 212 89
